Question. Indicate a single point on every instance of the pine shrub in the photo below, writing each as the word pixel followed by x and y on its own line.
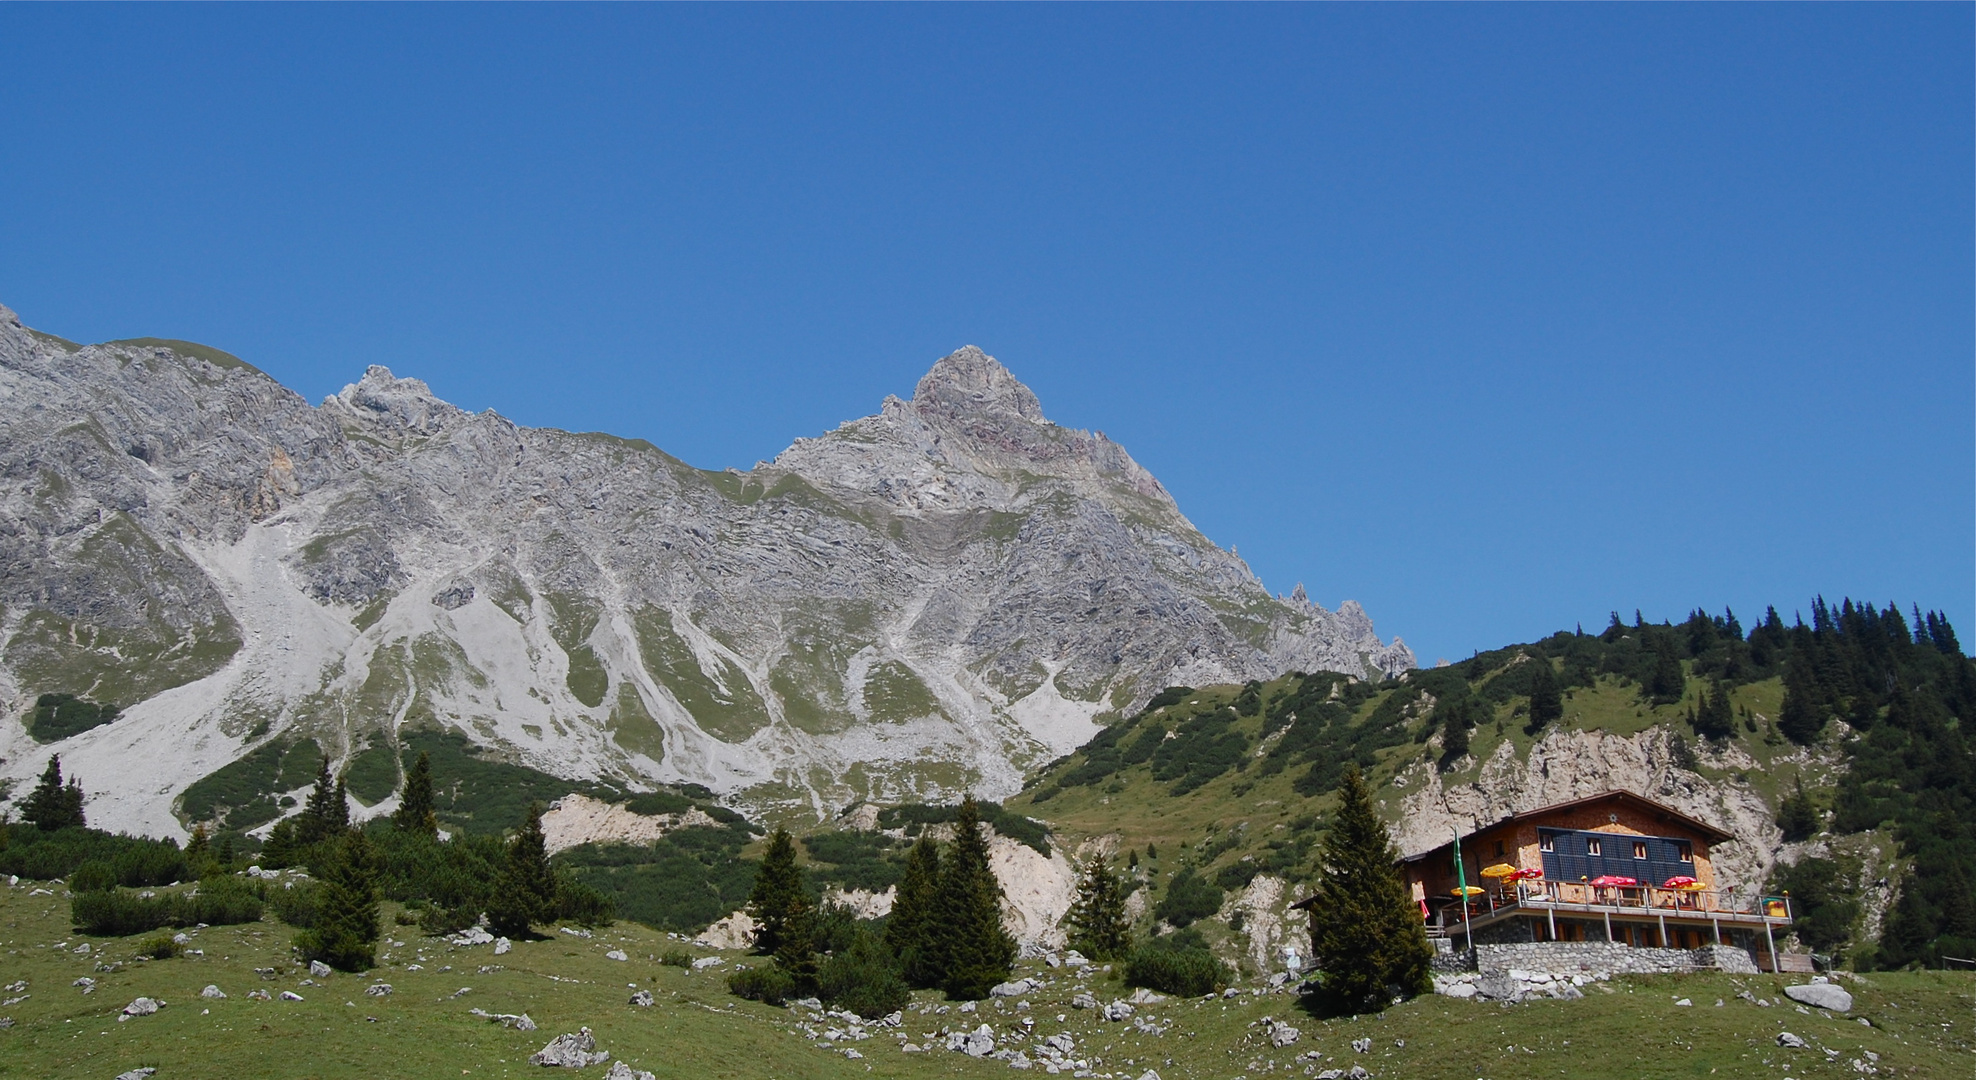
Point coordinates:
pixel 768 984
pixel 1178 964
pixel 863 978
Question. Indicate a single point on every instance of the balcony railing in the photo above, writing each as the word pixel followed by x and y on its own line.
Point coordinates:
pixel 1635 900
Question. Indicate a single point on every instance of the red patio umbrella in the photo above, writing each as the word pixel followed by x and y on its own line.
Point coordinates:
pixel 1613 881
pixel 1680 881
pixel 1529 873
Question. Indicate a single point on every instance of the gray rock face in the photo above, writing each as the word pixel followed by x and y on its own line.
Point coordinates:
pixel 1821 995
pixel 955 580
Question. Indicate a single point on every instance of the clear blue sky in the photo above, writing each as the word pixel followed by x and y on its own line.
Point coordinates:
pixel 1493 318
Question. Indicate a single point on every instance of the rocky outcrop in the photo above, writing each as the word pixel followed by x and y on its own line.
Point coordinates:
pixel 579 819
pixel 1574 764
pixel 921 602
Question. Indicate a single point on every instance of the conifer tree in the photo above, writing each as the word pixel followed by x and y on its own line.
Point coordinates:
pixel 1367 935
pixel 1796 815
pixel 779 902
pixel 53 804
pixel 314 823
pixel 974 952
pixel 1801 717
pixel 346 929
pixel 525 887
pixel 1714 719
pixel 1098 926
pixel 906 928
pixel 415 813
pixel 1546 700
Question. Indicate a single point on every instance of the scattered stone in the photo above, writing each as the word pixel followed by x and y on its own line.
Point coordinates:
pixel 463 991
pixel 573 932
pixel 912 1048
pixel 620 1071
pixel 1785 1038
pixel 517 1021
pixel 260 995
pixel 1231 992
pixel 382 989
pixel 1822 995
pixel 1685 1002
pixel 705 962
pixel 143 1006
pixel 977 1043
pixel 1362 1046
pixel 1083 1001
pixel 1143 996
pixel 616 954
pixel 852 1054
pixel 502 945
pixel 1282 1034
pixel 571 1051
pixel 473 935
pixel 1149 1075
pixel 642 999
pixel 1116 1011
pixel 86 983
pixel 214 992
pixel 144 1073
pixel 290 995
pixel 319 969
pixel 1016 988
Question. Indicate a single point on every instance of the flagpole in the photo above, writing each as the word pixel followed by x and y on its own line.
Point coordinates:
pixel 1461 882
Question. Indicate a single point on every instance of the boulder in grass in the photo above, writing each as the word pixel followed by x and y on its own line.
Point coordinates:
pixel 143 1006
pixel 1790 1041
pixel 318 969
pixel 570 1052
pixel 382 989
pixel 214 992
pixel 642 999
pixel 1016 988
pixel 1821 995
pixel 621 1071
pixel 502 945
pixel 616 954
pixel 144 1073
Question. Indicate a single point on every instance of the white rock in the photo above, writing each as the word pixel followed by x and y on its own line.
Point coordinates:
pixel 1824 995
pixel 642 999
pixel 382 989
pixel 1282 1034
pixel 143 1006
pixel 571 1052
pixel 1015 988
pixel 616 954
pixel 705 962
pixel 213 991
pixel 502 945
pixel 319 969
pixel 1083 1001
pixel 1143 996
pixel 290 995
pixel 473 935
pixel 1785 1038
pixel 137 1074
pixel 620 1071
pixel 1117 1010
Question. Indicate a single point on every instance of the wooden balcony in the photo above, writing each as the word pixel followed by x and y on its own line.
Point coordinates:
pixel 1631 904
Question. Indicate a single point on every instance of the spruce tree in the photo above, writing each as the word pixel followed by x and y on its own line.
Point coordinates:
pixel 346 929
pixel 313 824
pixel 1098 926
pixel 1796 816
pixel 974 952
pixel 906 928
pixel 338 817
pixel 1546 700
pixel 415 813
pixel 525 887
pixel 1367 935
pixel 779 902
pixel 1801 717
pixel 52 804
pixel 1713 719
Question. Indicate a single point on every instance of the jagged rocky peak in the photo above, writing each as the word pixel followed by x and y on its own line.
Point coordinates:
pixel 382 398
pixel 969 382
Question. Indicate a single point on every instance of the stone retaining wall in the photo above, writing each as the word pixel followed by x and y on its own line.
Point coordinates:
pixel 1597 958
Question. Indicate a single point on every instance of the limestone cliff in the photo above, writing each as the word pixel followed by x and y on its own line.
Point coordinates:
pixel 921 602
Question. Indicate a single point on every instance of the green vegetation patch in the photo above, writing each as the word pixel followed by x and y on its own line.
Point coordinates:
pixel 893 693
pixel 855 860
pixel 726 707
pixel 587 679
pixel 242 794
pixel 59 716
pixel 680 882
pixel 373 775
pixel 914 817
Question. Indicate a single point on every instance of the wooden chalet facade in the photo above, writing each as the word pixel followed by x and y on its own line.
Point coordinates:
pixel 1571 865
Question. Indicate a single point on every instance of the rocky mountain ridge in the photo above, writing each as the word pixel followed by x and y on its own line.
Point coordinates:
pixel 920 602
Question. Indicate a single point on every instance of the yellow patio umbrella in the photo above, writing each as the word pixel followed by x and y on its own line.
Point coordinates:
pixel 1465 891
pixel 1500 870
